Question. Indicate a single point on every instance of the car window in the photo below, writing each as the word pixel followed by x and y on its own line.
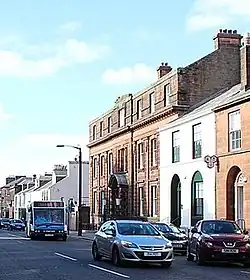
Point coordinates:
pixel 105 226
pixel 220 227
pixel 137 229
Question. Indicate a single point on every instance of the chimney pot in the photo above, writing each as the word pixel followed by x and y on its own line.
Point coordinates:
pixel 220 31
pixel 163 69
pixel 227 38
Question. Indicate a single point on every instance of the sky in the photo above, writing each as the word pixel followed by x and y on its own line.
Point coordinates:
pixel 63 63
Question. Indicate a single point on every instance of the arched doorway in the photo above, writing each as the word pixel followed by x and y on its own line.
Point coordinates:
pixel 197 198
pixel 234 194
pixel 176 200
pixel 119 201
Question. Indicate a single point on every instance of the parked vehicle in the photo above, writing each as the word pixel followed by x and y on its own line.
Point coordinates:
pixel 178 237
pixel 219 241
pixel 5 223
pixel 133 241
pixel 16 224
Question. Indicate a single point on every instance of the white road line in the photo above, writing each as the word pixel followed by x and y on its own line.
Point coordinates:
pixel 245 272
pixel 66 257
pixel 109 271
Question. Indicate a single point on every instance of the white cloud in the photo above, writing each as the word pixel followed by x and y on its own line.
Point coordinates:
pixel 37 153
pixel 48 59
pixel 216 13
pixel 3 115
pixel 138 73
pixel 71 26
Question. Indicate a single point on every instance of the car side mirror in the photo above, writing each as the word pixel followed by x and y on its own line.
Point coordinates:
pixel 194 230
pixel 110 232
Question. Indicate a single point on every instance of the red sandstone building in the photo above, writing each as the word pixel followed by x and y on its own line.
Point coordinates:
pixel 124 144
pixel 233 149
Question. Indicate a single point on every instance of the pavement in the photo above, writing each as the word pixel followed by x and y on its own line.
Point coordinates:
pixel 21 258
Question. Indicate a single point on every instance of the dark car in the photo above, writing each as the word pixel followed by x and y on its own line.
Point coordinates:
pixel 4 223
pixel 16 224
pixel 178 237
pixel 218 241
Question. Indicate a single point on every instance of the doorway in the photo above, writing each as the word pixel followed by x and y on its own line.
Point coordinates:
pixel 176 201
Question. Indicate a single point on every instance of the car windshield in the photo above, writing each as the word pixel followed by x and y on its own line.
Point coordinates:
pixel 17 221
pixel 220 227
pixel 137 229
pixel 48 216
pixel 167 228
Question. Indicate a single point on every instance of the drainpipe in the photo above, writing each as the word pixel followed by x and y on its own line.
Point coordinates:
pixel 132 152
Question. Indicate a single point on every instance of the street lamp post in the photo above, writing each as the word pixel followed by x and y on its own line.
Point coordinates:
pixel 79 186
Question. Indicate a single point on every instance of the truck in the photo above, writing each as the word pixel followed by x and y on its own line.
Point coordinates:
pixel 46 219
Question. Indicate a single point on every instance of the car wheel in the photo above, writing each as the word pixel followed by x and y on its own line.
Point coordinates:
pixel 116 257
pixel 198 259
pixel 190 257
pixel 95 253
pixel 166 264
pixel 246 265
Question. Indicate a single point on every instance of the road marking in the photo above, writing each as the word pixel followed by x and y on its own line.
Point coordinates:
pixel 109 271
pixel 245 272
pixel 66 257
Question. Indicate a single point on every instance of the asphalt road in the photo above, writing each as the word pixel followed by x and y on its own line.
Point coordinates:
pixel 21 258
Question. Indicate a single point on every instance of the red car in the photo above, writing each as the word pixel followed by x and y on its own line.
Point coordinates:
pixel 218 241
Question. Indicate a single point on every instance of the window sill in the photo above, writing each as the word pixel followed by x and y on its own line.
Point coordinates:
pixel 154 167
pixel 141 169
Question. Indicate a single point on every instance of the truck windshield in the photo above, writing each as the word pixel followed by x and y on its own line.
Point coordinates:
pixel 48 216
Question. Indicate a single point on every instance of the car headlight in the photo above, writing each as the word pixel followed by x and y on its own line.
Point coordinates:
pixel 65 227
pixel 208 244
pixel 248 245
pixel 246 238
pixel 128 244
pixel 168 245
pixel 31 227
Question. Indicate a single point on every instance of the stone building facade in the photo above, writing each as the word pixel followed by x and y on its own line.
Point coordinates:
pixel 124 142
pixel 233 149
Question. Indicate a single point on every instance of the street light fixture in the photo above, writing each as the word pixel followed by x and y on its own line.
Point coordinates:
pixel 79 185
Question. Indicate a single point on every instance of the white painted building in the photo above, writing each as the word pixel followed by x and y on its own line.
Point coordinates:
pixel 187 184
pixel 67 187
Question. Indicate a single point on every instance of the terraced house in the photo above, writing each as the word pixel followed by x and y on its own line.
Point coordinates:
pixel 124 142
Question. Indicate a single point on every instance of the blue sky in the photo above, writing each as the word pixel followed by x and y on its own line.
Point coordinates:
pixel 64 62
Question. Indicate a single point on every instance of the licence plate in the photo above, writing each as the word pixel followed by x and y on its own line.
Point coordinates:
pixel 49 234
pixel 230 251
pixel 151 254
pixel 177 245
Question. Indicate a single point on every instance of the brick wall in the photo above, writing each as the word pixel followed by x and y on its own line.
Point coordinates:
pixel 228 159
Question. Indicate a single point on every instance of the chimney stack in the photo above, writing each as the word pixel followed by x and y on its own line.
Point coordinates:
pixel 163 70
pixel 245 62
pixel 225 38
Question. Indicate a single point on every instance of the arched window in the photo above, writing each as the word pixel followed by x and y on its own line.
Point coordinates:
pixel 197 198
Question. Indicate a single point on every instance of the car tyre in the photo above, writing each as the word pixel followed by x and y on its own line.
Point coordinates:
pixel 198 258
pixel 116 257
pixel 166 264
pixel 95 252
pixel 64 238
pixel 190 257
pixel 246 265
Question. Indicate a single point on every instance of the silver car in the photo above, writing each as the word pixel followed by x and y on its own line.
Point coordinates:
pixel 133 241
